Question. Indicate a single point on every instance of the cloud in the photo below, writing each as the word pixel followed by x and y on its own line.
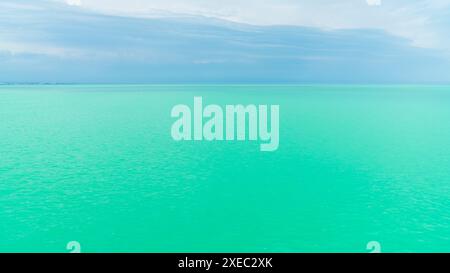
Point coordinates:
pixel 421 21
pixel 18 48
pixel 373 2
pixel 61 43
pixel 74 2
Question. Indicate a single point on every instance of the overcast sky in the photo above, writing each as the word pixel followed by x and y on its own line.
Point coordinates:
pixel 425 22
pixel 333 41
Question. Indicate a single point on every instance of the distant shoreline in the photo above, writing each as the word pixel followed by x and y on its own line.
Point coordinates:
pixel 229 84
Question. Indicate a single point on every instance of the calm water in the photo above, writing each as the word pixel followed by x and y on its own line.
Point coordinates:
pixel 96 164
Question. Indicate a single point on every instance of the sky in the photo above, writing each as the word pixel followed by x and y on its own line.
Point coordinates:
pixel 425 22
pixel 203 41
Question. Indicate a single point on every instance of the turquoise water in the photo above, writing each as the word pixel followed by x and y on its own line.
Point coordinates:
pixel 97 164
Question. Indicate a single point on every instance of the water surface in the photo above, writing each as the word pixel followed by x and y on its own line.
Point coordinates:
pixel 97 164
